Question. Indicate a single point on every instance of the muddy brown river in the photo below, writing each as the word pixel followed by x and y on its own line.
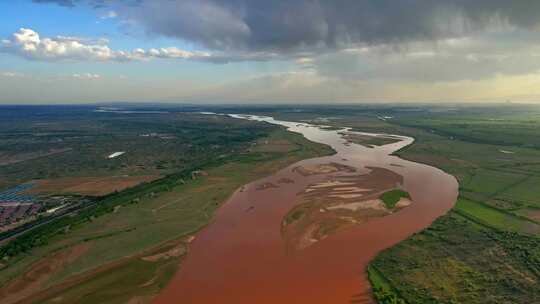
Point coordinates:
pixel 244 256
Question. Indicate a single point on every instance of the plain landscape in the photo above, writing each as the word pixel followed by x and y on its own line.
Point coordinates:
pixel 128 221
pixel 269 152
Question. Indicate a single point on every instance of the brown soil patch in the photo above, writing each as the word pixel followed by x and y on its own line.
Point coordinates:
pixel 266 186
pixel 403 202
pixel 140 300
pixel 34 279
pixel 308 237
pixel 345 196
pixel 172 253
pixel 531 228
pixel 285 181
pixel 89 186
pixel 326 184
pixel 375 204
pixel 308 170
pixel 534 214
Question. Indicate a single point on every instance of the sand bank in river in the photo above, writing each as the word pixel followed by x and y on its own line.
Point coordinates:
pixel 328 207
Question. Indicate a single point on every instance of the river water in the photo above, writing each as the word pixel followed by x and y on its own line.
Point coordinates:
pixel 241 257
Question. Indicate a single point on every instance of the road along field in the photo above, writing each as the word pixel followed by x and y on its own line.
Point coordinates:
pixel 306 233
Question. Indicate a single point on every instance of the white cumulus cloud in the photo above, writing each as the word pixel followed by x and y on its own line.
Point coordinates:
pixel 29 44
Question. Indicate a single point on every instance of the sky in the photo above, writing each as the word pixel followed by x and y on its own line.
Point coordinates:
pixel 260 51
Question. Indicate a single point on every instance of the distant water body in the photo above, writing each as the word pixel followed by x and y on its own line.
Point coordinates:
pixel 122 111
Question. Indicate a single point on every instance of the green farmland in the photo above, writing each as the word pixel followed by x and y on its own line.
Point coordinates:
pixel 487 249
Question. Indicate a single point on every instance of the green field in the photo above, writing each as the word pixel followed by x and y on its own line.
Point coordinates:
pixel 490 216
pixel 487 250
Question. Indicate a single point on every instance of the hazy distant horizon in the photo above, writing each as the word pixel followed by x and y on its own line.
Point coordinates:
pixel 381 104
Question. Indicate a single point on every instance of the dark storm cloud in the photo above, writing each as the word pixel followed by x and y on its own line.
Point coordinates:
pixel 311 25
pixel 283 25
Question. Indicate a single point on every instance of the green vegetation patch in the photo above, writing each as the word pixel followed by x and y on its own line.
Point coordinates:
pixel 392 197
pixel 487 249
pixel 527 192
pixel 491 182
pixel 369 140
pixel 490 216
pixel 380 141
pixel 383 291
pixel 459 261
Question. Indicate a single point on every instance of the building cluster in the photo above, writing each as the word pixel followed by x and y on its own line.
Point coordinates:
pixel 15 205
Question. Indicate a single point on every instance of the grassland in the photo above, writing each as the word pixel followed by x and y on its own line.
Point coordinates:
pixel 487 249
pixel 489 216
pixel 459 261
pixel 369 141
pixel 383 291
pixel 141 221
pixel 392 197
